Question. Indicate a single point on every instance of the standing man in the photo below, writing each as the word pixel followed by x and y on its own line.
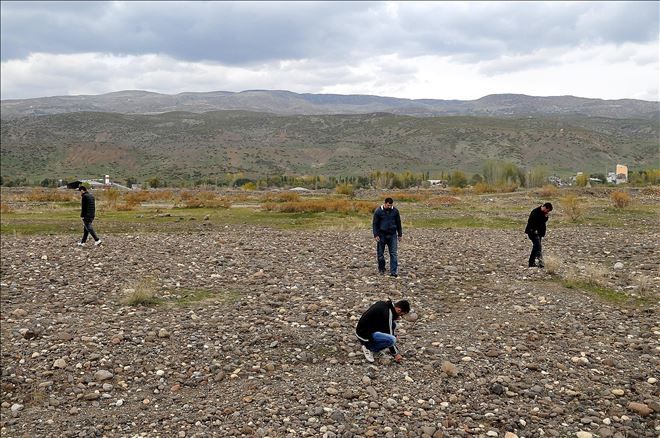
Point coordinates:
pixel 535 230
pixel 387 231
pixel 87 213
pixel 376 326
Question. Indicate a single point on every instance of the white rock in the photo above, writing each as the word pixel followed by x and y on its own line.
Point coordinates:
pixel 618 265
pixel 583 434
pixel 16 407
pixel 59 363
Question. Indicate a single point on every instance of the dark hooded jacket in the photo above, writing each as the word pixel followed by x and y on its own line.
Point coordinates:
pixel 379 317
pixel 88 206
pixel 387 222
pixel 536 223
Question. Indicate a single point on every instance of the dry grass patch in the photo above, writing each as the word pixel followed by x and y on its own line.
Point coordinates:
pixel 552 264
pixel 142 293
pixel 318 206
pixel 49 195
pixel 282 197
pixel 4 208
pixel 621 199
pixel 442 201
pixel 572 207
pixel 548 191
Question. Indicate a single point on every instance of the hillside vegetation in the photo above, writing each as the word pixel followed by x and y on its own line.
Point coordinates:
pixel 183 145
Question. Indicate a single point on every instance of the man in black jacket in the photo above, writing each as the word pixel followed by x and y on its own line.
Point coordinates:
pixel 387 231
pixel 87 213
pixel 376 327
pixel 535 230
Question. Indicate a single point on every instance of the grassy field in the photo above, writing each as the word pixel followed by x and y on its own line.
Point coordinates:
pixel 55 212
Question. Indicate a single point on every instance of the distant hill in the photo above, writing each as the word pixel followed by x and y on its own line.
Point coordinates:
pixel 186 145
pixel 288 103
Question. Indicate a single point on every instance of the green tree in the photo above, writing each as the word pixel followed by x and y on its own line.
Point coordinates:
pixel 581 180
pixel 538 176
pixel 457 179
pixel 155 182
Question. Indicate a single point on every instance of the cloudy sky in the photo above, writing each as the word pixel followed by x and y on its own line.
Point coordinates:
pixel 438 50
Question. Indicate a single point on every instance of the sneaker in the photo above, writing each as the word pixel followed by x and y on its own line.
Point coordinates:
pixel 97 243
pixel 367 354
pixel 394 275
pixel 81 244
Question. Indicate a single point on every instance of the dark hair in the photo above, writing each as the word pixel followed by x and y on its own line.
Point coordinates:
pixel 404 305
pixel 548 206
pixel 389 201
pixel 82 188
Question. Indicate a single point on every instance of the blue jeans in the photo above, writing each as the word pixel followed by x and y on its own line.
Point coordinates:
pixel 380 341
pixel 391 243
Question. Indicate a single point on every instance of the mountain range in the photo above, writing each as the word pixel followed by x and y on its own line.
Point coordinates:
pixel 197 135
pixel 288 103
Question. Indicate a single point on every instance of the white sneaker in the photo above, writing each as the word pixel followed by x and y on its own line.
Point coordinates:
pixel 367 354
pixel 81 244
pixel 97 243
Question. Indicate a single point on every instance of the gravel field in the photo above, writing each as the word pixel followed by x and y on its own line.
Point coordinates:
pixel 253 335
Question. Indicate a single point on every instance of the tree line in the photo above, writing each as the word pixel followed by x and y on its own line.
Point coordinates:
pixel 494 173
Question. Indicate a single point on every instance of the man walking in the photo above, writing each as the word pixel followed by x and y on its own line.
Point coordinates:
pixel 535 230
pixel 387 231
pixel 376 327
pixel 87 213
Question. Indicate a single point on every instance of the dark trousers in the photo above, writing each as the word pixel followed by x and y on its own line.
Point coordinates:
pixel 536 250
pixel 88 229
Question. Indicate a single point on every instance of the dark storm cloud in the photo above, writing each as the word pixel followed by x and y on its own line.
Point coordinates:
pixel 243 33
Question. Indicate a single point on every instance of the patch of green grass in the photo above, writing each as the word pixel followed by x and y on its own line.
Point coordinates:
pixel 476 221
pixel 605 293
pixel 189 297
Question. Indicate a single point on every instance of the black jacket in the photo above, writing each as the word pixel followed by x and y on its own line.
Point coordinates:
pixel 88 206
pixel 536 222
pixel 378 318
pixel 386 222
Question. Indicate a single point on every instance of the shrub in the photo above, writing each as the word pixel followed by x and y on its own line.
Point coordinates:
pixel 548 191
pixel 552 264
pixel 141 294
pixel 482 187
pixel 572 206
pixel 345 189
pixel 4 208
pixel 621 199
pixel 111 196
pixel 581 180
pixel 249 186
pixel 49 195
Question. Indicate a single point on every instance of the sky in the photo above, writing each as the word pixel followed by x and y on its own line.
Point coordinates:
pixel 414 50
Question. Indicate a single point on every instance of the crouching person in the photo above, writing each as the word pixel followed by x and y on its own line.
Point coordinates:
pixel 376 328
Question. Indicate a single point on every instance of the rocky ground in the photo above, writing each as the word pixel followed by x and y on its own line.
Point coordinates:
pixel 497 349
